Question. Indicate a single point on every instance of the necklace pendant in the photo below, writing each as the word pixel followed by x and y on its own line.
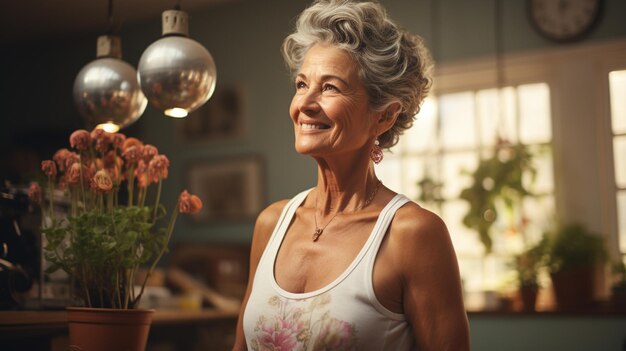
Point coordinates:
pixel 318 232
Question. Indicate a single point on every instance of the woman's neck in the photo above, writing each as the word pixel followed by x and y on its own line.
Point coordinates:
pixel 344 184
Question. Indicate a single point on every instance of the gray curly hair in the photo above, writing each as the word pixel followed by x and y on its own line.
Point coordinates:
pixel 394 65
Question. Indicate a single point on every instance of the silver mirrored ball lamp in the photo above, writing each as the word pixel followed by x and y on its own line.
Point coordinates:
pixel 106 91
pixel 176 73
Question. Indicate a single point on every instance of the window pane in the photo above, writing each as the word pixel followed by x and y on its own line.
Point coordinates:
pixel 534 106
pixel 539 215
pixel 390 172
pixel 455 169
pixel 465 240
pixel 422 136
pixel 544 179
pixel 621 215
pixel 508 100
pixel 457 126
pixel 487 109
pixel 412 172
pixel 619 155
pixel 617 87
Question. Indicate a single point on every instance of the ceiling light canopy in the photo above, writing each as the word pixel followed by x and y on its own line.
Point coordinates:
pixel 176 73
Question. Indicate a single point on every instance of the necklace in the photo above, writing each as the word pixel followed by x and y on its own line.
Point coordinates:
pixel 318 231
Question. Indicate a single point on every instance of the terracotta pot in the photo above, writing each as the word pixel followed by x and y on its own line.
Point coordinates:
pixel 529 297
pixel 104 329
pixel 573 288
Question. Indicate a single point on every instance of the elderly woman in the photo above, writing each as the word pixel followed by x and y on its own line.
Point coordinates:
pixel 350 264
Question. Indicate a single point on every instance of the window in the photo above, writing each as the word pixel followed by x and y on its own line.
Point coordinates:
pixel 617 90
pixel 567 105
pixel 452 132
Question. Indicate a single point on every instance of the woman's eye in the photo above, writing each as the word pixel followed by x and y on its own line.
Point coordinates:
pixel 300 84
pixel 329 87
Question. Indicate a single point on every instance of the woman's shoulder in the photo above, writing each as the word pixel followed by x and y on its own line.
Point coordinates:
pixel 416 227
pixel 269 216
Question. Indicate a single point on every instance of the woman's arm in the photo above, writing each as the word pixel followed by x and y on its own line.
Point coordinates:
pixel 263 228
pixel 432 294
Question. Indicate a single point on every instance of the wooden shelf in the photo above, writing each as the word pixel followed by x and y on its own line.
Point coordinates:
pixel 34 318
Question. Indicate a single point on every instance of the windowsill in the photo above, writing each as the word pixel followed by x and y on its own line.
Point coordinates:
pixel 601 309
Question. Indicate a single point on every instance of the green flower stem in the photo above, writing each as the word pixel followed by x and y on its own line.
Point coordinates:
pixel 131 182
pixel 51 197
pixel 170 229
pixel 82 181
pixel 84 283
pixel 110 202
pixel 117 288
pixel 158 198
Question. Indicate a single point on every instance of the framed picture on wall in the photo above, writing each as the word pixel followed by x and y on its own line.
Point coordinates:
pixel 231 189
pixel 220 118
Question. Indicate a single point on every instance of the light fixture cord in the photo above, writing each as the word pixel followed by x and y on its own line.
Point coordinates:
pixel 177 7
pixel 498 42
pixel 110 30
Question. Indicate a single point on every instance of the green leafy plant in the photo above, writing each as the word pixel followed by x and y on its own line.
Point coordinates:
pixel 528 264
pixel 497 180
pixel 103 240
pixel 573 246
pixel 619 275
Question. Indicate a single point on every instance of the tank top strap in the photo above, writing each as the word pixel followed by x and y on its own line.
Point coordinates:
pixel 283 222
pixel 385 218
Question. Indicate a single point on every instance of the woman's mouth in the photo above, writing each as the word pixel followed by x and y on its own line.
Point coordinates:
pixel 313 126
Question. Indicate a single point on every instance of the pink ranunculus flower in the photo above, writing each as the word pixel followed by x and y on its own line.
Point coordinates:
pixel 49 168
pixel 149 151
pixel 111 160
pixel 70 159
pixel 80 140
pixel 117 140
pixel 188 203
pixel 102 181
pixel 73 174
pixel 131 142
pixel 102 139
pixel 141 174
pixel 132 154
pixel 34 193
pixel 158 167
pixel 59 157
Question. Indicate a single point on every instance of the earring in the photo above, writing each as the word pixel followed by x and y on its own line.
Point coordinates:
pixel 376 154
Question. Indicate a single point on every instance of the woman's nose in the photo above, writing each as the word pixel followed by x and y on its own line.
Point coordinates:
pixel 309 102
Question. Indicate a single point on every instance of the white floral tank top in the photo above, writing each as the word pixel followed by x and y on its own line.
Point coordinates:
pixel 344 315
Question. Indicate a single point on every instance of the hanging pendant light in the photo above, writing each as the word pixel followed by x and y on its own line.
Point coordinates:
pixel 176 73
pixel 106 91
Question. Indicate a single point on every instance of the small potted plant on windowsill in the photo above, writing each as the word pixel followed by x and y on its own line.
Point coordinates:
pixel 104 240
pixel 618 288
pixel 573 256
pixel 527 266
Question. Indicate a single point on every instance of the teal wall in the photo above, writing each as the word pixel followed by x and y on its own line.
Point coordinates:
pixel 244 38
pixel 547 333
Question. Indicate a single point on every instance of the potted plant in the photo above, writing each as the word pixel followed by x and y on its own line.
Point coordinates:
pixel 618 288
pixel 527 266
pixel 573 254
pixel 104 240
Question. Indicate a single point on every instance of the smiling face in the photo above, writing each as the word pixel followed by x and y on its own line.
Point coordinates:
pixel 330 109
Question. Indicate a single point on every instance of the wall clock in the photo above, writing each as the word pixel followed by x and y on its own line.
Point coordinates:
pixel 564 20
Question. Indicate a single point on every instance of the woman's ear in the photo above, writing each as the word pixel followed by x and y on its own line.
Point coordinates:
pixel 388 118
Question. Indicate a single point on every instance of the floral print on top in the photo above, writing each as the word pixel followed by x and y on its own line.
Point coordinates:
pixel 302 325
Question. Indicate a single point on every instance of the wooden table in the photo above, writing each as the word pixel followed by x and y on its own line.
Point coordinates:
pixel 180 329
